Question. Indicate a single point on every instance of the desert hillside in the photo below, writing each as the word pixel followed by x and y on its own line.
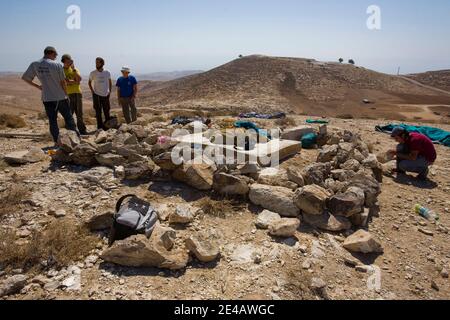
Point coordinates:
pixel 439 79
pixel 261 83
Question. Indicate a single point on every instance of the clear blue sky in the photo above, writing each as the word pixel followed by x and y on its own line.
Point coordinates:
pixel 167 35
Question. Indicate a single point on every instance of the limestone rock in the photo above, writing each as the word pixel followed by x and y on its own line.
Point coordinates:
pixel 276 199
pixel 361 219
pixel 286 227
pixel 68 140
pixel 347 204
pixel 183 214
pixel 327 222
pixel 23 157
pixel 101 137
pixel 362 242
pixel 297 133
pixel 84 154
pixel 164 160
pixel 295 175
pixel 312 199
pixel 105 148
pixel 139 170
pixel 110 160
pixel 328 153
pixel 231 185
pixel 199 176
pixel 342 175
pixel 335 186
pixel 370 186
pixel 204 250
pixel 371 162
pixel 138 251
pixel 266 218
pixel 102 221
pixel 13 285
pixel 316 173
pixel 351 165
pixel 276 177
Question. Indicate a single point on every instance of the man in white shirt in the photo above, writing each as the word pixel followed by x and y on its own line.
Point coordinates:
pixel 100 84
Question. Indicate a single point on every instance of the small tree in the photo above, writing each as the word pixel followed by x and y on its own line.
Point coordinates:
pixel 351 61
pixel 341 60
pixel 241 56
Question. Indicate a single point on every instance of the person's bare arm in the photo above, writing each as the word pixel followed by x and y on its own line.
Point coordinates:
pixel 110 86
pixel 31 83
pixel 78 77
pixel 135 91
pixel 90 86
pixel 411 156
pixel 118 93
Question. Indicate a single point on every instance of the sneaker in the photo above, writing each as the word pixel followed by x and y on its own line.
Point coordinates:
pixel 423 176
pixel 398 171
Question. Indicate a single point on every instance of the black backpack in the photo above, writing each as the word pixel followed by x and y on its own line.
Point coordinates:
pixel 131 218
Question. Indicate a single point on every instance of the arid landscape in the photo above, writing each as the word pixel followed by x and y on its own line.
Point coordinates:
pixel 216 239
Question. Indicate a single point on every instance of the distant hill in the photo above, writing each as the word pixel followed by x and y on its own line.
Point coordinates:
pixel 167 76
pixel 438 79
pixel 262 83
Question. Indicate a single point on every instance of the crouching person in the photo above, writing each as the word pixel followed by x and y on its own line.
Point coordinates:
pixel 415 152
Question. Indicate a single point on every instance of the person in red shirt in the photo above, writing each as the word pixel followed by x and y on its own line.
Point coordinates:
pixel 415 152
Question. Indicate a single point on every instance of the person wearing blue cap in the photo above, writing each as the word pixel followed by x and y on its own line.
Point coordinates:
pixel 415 152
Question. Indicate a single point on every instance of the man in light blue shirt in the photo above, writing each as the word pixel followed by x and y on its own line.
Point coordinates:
pixel 54 90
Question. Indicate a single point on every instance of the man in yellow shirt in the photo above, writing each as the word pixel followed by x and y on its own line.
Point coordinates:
pixel 73 80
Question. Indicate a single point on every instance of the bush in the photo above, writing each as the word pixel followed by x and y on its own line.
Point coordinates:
pixel 218 208
pixel 61 243
pixel 12 121
pixel 345 116
pixel 286 122
pixel 12 197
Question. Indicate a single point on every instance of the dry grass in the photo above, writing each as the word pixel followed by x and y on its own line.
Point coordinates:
pixel 60 244
pixel 345 116
pixel 12 197
pixel 3 165
pixel 41 116
pixel 219 208
pixel 286 122
pixel 188 113
pixel 12 121
pixel 89 121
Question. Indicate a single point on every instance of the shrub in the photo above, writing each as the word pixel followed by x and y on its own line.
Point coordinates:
pixel 286 122
pixel 12 121
pixel 12 197
pixel 61 243
pixel 346 116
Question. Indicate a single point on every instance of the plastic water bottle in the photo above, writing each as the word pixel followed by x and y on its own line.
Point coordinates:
pixel 426 213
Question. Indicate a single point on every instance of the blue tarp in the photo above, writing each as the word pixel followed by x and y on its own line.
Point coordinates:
pixel 247 125
pixel 277 115
pixel 436 135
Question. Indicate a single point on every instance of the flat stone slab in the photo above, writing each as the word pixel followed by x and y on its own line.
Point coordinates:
pixel 263 153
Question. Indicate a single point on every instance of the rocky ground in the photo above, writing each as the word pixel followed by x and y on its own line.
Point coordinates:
pixel 287 261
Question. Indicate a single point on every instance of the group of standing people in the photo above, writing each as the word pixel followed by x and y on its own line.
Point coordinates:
pixel 61 91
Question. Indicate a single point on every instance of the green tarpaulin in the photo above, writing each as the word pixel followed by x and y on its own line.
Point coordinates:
pixel 312 121
pixel 436 135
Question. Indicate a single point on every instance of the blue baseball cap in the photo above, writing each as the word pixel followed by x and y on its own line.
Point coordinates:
pixel 398 131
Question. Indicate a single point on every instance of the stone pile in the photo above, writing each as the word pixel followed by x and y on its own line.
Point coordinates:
pixel 336 194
